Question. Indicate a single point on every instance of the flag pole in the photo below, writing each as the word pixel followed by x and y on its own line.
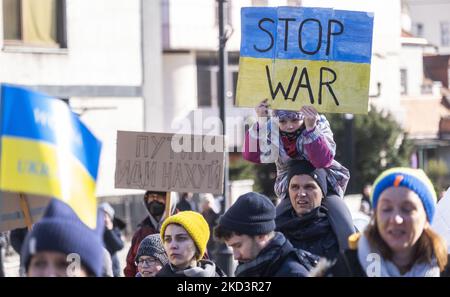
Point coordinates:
pixel 167 210
pixel 26 210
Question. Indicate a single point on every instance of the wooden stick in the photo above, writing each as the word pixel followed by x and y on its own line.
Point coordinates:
pixel 167 211
pixel 26 211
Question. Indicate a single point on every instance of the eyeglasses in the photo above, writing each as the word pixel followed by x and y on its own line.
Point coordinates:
pixel 148 262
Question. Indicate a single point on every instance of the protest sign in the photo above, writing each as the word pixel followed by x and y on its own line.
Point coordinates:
pixel 170 162
pixel 297 56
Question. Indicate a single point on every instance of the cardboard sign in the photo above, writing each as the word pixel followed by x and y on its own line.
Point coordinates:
pixel 47 151
pixel 170 162
pixel 11 213
pixel 297 56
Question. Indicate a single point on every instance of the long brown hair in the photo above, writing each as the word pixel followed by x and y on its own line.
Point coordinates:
pixel 428 245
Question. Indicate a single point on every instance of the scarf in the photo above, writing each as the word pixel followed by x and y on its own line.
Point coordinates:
pixel 311 232
pixel 310 226
pixel 367 257
pixel 268 256
pixel 289 140
pixel 205 268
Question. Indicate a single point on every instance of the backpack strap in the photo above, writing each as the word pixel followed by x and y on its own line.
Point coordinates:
pixel 340 219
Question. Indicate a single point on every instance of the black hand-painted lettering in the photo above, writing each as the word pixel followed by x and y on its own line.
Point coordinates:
pixel 304 74
pixel 286 30
pixel 319 39
pixel 280 86
pixel 268 32
pixel 329 33
pixel 327 84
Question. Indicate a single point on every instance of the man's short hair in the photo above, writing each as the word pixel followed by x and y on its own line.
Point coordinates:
pixel 222 233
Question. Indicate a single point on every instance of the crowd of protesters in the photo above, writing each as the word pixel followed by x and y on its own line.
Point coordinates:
pixel 309 233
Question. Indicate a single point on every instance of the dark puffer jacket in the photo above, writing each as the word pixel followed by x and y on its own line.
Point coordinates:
pixel 323 232
pixel 279 258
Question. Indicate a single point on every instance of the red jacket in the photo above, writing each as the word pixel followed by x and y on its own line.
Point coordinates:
pixel 145 229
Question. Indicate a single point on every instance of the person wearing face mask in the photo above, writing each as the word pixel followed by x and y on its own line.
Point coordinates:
pixel 155 205
pixel 399 241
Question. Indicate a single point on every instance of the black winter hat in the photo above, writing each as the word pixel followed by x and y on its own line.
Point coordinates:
pixel 251 214
pixel 298 167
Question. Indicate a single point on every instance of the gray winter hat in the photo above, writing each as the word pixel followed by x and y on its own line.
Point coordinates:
pixel 152 246
pixel 106 207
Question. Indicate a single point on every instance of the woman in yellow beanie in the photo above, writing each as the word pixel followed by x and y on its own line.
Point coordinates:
pixel 185 236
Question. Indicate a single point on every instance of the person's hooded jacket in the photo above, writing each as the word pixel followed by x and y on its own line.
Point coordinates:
pixel 147 227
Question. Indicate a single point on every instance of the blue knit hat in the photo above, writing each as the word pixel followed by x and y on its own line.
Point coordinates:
pixel 414 179
pixel 251 214
pixel 60 230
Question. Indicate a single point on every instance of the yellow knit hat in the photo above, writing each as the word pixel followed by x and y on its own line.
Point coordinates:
pixel 194 224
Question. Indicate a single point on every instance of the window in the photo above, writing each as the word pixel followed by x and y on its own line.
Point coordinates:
pixel 418 29
pixel 403 82
pixel 208 78
pixel 260 2
pixel 39 23
pixel 207 85
pixel 294 3
pixel 445 33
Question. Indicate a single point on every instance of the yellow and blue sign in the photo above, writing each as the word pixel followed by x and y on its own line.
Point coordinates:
pixel 297 56
pixel 46 150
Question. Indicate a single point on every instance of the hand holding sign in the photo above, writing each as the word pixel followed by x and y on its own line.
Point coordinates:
pixel 310 117
pixel 262 110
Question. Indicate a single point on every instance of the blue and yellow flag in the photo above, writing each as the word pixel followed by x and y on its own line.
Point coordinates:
pixel 46 150
pixel 297 56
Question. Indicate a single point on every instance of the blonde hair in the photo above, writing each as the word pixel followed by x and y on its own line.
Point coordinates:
pixel 428 245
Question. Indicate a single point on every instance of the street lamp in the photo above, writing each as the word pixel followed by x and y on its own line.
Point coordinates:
pixel 223 254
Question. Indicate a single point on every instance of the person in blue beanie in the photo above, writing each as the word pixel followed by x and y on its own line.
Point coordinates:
pixel 60 245
pixel 399 241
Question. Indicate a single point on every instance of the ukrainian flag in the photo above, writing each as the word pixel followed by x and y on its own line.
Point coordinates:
pixel 46 150
pixel 297 56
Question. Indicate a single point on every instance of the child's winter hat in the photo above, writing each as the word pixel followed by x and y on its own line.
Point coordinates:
pixel 106 207
pixel 287 114
pixel 60 230
pixel 414 179
pixel 194 224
